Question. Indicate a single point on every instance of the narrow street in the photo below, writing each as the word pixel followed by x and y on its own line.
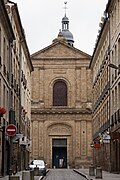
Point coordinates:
pixel 63 174
pixel 59 105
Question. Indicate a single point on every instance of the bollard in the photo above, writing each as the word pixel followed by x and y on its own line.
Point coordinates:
pixel 32 175
pixel 98 173
pixel 36 171
pixel 91 170
pixel 14 177
pixel 25 175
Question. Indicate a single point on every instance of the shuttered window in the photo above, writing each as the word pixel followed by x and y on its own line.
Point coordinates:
pixel 60 94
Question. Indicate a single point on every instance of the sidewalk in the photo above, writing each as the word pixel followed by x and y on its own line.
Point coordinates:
pixel 105 175
pixel 7 177
pixel 20 175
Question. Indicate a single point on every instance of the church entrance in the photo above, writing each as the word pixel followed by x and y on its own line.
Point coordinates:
pixel 59 153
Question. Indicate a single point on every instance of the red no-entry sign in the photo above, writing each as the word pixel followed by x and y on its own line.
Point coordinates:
pixel 11 130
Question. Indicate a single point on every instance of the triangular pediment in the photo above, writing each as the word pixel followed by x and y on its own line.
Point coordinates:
pixel 60 50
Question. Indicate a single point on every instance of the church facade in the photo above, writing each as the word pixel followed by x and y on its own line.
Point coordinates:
pixel 61 125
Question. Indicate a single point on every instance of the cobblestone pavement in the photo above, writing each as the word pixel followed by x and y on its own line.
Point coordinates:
pixel 63 174
pixel 105 175
pixel 69 174
pixel 20 175
pixel 37 177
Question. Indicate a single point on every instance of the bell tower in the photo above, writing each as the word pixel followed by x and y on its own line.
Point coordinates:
pixel 65 29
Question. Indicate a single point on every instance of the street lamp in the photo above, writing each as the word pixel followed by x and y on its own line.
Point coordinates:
pixel 114 66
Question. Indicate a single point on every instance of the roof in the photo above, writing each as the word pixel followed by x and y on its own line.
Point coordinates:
pixel 6 21
pixel 56 47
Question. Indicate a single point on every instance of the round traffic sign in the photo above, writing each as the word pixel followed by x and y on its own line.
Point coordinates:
pixel 11 130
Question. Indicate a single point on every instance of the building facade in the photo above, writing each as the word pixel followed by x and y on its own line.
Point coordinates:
pixel 16 68
pixel 101 97
pixel 61 124
pixel 113 10
pixel 6 38
pixel 106 90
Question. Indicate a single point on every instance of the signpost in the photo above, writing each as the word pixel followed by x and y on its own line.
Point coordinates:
pixel 11 130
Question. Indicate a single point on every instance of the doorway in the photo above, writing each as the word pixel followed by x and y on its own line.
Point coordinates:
pixel 59 153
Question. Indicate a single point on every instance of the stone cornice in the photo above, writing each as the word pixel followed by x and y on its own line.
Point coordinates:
pixel 6 22
pixel 60 111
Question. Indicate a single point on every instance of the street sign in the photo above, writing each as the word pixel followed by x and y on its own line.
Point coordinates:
pixel 11 130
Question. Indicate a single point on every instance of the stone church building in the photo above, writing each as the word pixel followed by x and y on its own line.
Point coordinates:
pixel 61 127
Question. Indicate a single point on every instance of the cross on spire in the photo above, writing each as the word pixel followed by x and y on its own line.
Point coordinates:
pixel 65 6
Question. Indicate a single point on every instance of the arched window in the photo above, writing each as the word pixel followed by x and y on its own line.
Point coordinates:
pixel 60 94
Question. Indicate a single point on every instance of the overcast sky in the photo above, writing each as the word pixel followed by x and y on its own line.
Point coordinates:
pixel 41 20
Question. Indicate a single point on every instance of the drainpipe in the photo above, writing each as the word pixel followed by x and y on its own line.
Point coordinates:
pixel 20 95
pixel 109 89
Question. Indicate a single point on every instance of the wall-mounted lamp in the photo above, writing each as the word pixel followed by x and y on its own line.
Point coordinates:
pixel 114 66
pixel 2 111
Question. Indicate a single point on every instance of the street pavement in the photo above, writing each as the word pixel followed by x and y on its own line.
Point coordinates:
pixel 105 175
pixel 63 174
pixel 84 172
pixel 20 175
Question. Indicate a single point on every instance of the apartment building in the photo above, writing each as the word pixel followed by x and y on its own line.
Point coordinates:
pixel 18 110
pixel 6 38
pixel 101 84
pixel 113 10
pixel 106 90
